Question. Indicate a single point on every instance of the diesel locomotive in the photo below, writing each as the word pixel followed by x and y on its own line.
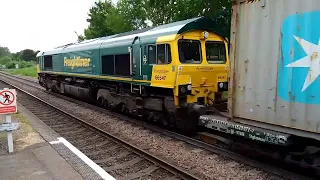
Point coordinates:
pixel 166 74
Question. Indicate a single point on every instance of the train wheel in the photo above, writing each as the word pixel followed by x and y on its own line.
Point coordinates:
pixel 168 120
pixel 187 118
pixel 101 102
pixel 55 89
pixel 172 121
pixel 47 88
pixel 186 122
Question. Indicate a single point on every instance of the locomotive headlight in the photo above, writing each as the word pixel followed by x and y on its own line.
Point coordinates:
pixel 205 34
pixel 221 85
pixel 185 89
pixel 189 87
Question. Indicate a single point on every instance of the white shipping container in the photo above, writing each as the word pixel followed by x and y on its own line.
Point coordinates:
pixel 275 64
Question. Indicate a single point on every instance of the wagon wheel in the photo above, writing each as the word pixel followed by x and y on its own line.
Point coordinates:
pixel 47 88
pixel 102 102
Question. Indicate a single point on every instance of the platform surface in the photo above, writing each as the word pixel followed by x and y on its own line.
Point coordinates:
pixel 38 163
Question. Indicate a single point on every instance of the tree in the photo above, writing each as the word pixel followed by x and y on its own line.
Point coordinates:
pixel 106 19
pixel 4 51
pixel 163 12
pixel 127 16
pixel 28 55
pixel 16 56
pixel 5 60
pixel 117 22
pixel 97 16
pixel 134 12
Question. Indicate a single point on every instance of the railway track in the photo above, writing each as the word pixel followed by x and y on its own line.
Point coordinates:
pixel 212 148
pixel 118 157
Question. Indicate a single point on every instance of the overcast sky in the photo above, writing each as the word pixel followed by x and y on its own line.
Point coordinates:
pixel 41 24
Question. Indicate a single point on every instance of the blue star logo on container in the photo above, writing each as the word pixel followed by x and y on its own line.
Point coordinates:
pixel 299 64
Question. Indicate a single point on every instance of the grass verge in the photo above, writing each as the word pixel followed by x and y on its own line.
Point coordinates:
pixel 24 137
pixel 29 71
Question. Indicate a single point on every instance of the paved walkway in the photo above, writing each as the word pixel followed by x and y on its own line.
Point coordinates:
pixel 36 163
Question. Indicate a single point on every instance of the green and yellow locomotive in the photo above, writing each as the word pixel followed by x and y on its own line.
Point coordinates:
pixel 167 73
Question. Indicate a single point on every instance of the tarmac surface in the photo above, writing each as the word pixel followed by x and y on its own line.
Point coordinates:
pixel 39 163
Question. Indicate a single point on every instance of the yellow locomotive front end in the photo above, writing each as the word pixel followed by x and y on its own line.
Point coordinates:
pixel 202 73
pixel 198 73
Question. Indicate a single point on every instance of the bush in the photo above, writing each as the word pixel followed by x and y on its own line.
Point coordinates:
pixel 30 71
pixel 21 64
pixel 10 65
pixel 5 60
pixel 25 64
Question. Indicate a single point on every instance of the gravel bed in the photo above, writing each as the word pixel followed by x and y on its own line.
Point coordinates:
pixel 206 165
pixel 81 135
pixel 85 151
pixel 53 122
pixel 107 154
pixel 67 128
pixel 119 160
pixel 143 164
pixel 71 134
pixel 83 142
pixel 101 148
pixel 25 77
pixel 157 175
pixel 98 145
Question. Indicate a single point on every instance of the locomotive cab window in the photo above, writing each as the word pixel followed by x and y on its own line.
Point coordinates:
pixel 47 64
pixel 118 65
pixel 215 52
pixel 122 65
pixel 108 65
pixel 152 54
pixel 189 51
pixel 159 54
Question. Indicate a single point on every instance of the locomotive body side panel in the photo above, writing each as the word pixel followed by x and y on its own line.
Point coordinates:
pixel 81 62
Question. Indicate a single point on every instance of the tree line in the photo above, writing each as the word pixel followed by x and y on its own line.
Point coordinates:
pixel 24 58
pixel 106 18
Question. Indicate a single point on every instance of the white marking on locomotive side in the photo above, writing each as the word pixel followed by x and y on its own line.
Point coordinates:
pixel 84 158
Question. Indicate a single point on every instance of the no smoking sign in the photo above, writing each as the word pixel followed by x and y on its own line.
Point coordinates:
pixel 8 101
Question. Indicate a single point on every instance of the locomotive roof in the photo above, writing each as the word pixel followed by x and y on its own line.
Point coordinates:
pixel 145 34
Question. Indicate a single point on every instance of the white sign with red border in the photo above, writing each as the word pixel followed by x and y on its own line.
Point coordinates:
pixel 8 101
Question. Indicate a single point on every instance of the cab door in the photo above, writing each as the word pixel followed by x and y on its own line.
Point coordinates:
pixel 146 67
pixel 136 72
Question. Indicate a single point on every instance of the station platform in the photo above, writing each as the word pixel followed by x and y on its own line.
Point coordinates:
pixel 41 154
pixel 40 162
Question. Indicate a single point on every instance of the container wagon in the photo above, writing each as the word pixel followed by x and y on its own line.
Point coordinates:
pixel 274 77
